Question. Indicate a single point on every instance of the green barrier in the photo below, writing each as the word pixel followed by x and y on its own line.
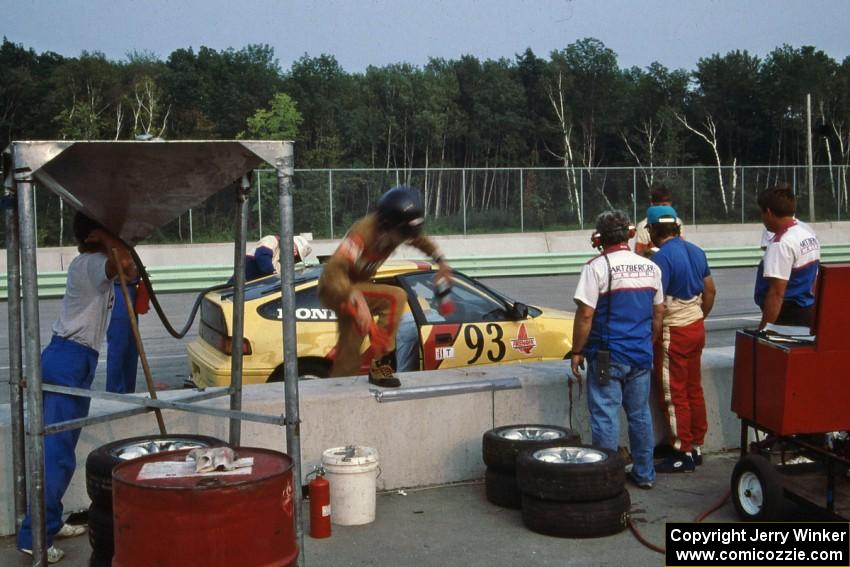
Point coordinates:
pixel 179 279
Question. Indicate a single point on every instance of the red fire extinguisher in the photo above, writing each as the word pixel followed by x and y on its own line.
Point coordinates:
pixel 320 505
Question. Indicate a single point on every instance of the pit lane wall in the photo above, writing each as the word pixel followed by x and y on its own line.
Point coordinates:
pixel 420 442
pixel 221 254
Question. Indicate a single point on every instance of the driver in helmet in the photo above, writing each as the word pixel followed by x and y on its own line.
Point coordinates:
pixel 345 285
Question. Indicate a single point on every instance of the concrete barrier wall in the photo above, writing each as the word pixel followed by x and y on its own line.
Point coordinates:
pixel 706 236
pixel 420 442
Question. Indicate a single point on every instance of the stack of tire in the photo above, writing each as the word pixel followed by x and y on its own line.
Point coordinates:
pixel 99 465
pixel 502 445
pixel 564 488
pixel 573 491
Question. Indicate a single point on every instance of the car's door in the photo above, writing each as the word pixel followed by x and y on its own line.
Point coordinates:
pixel 484 327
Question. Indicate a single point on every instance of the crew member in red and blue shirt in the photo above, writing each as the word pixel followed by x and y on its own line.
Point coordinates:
pixel 689 293
pixel 786 277
pixel 620 306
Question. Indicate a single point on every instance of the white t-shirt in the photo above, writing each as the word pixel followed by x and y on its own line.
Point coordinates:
pixel 767 236
pixel 87 304
pixel 636 287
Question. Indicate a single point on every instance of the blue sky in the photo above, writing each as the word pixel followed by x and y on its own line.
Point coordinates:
pixel 380 32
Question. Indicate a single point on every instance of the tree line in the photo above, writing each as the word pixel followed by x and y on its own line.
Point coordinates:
pixel 577 108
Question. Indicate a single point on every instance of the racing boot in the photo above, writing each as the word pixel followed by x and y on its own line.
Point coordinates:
pixel 381 373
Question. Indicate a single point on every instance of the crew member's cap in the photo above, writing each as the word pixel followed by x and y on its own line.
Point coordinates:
pixel 660 213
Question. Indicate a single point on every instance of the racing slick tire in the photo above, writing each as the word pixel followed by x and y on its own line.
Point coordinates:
pixel 757 491
pixel 99 465
pixel 101 461
pixel 571 474
pixel 598 518
pixel 101 530
pixel 500 446
pixel 501 488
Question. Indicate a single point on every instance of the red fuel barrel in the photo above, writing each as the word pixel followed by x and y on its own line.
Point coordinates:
pixel 234 519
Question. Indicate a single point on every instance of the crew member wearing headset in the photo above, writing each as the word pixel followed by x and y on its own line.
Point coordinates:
pixel 620 307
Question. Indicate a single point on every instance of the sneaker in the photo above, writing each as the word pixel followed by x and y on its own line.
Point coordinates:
pixel 642 484
pixel 382 375
pixel 676 463
pixel 627 458
pixel 662 451
pixel 54 554
pixel 68 530
pixel 696 455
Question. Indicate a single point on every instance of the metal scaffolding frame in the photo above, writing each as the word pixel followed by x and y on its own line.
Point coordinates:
pixel 129 188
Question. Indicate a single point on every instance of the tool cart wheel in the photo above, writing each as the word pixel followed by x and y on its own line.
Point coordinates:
pixel 757 490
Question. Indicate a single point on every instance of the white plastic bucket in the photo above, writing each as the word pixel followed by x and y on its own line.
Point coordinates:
pixel 352 473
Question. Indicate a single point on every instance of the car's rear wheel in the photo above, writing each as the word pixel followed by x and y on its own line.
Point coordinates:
pixel 308 369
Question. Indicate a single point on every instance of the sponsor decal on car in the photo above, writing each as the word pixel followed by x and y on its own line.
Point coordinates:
pixel 443 353
pixel 311 314
pixel 523 343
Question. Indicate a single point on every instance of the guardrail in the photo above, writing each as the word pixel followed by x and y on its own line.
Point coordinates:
pixel 178 279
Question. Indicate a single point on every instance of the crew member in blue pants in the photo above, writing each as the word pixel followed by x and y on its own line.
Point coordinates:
pixel 70 360
pixel 122 354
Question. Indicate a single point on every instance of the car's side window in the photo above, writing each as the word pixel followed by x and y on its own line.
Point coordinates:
pixel 472 303
pixel 307 307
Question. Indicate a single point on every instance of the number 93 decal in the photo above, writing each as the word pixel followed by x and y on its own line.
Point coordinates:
pixel 494 342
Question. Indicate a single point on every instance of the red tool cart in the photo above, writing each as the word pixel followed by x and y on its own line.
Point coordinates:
pixel 794 392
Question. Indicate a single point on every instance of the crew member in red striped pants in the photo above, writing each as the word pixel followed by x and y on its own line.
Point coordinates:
pixel 688 298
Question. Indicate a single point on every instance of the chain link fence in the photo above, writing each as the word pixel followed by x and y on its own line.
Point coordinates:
pixel 485 200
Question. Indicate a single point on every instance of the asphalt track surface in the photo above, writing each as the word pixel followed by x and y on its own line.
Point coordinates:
pixel 734 309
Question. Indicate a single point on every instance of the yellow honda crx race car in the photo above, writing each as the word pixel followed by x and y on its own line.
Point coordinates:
pixel 485 327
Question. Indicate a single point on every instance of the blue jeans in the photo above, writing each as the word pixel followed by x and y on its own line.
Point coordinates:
pixel 628 387
pixel 64 363
pixel 407 345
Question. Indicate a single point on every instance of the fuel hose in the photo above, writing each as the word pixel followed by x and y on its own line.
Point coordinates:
pixel 158 308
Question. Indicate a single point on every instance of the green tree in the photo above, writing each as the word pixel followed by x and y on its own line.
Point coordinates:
pixel 88 89
pixel 322 90
pixel 278 122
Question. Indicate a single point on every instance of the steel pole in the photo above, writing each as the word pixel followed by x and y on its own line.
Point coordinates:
pixel 258 173
pixel 285 172
pixel 581 194
pixel 634 194
pixel 693 196
pixel 463 198
pixel 16 393
pixel 521 203
pixel 238 330
pixel 32 346
pixel 810 172
pixel 331 201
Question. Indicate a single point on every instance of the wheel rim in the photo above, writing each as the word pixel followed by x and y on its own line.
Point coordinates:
pixel 531 434
pixel 151 446
pixel 572 455
pixel 750 493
